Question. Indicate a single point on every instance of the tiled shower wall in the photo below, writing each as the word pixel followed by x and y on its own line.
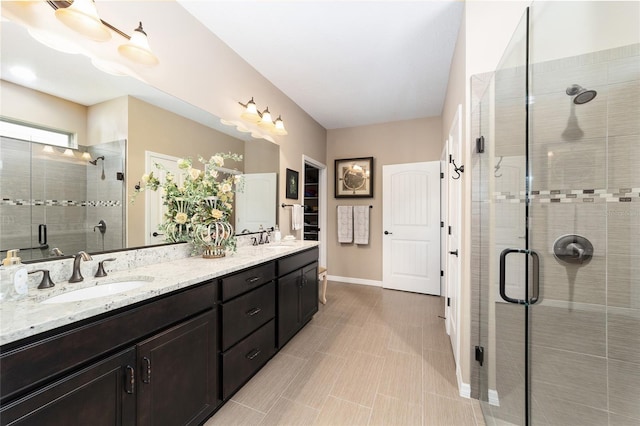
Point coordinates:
pixel 585 164
pixel 67 195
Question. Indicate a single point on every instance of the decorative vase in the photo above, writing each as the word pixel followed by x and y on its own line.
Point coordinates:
pixel 214 238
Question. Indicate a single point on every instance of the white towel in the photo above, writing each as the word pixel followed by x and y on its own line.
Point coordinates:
pixel 361 224
pixel 297 212
pixel 345 224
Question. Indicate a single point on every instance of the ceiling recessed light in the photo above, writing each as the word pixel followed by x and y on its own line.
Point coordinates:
pixel 23 73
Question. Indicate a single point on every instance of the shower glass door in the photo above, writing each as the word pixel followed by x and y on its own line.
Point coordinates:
pixel 557 189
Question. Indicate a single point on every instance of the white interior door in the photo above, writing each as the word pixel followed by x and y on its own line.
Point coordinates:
pixel 260 190
pixel 411 224
pixel 154 208
pixel 453 227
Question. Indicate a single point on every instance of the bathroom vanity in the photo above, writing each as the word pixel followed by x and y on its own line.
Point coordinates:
pixel 171 357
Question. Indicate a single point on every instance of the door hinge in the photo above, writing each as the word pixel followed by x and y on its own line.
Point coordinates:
pixel 450 158
pixel 441 175
pixel 441 224
pixel 480 145
pixel 449 230
pixel 448 302
pixel 480 355
pixel 441 273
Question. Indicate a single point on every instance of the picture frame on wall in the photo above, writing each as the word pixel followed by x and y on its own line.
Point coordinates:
pixel 292 184
pixel 354 177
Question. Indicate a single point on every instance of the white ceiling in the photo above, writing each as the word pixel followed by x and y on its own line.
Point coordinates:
pixel 346 63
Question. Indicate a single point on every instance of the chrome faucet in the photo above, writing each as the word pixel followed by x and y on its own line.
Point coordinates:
pixel 76 276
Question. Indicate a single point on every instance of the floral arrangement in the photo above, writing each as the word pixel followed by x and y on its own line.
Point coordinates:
pixel 199 203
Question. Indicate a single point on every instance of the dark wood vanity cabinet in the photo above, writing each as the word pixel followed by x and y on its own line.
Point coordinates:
pixel 171 360
pixel 102 394
pixel 248 338
pixel 297 293
pixel 177 372
pixel 154 363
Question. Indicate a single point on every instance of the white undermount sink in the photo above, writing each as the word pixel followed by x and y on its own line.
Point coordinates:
pixel 97 291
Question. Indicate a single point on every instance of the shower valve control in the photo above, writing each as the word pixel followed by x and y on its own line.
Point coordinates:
pixel 573 248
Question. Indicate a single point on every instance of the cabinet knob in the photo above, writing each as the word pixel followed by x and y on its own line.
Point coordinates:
pixel 387 233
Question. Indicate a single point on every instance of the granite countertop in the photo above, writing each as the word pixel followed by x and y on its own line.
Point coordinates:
pixel 28 317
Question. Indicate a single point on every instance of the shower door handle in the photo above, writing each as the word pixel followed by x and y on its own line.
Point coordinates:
pixel 535 276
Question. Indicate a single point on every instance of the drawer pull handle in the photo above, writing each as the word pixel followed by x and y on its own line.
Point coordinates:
pixel 147 379
pixel 253 311
pixel 254 353
pixel 130 385
pixel 253 280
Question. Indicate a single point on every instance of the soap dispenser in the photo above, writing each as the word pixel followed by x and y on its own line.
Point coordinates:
pixel 14 277
pixel 277 235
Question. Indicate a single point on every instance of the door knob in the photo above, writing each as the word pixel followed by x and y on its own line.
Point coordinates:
pixel 455 252
pixel 387 233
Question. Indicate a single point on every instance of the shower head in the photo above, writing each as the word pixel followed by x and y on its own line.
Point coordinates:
pixel 95 162
pixel 581 95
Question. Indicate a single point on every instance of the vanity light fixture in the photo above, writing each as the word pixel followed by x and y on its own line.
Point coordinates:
pixel 266 120
pixel 279 127
pixel 82 17
pixel 137 48
pixel 48 149
pixel 68 153
pixel 86 156
pixel 251 114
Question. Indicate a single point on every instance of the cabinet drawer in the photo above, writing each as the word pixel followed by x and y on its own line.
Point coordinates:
pixel 240 362
pixel 246 313
pixel 242 282
pixel 297 261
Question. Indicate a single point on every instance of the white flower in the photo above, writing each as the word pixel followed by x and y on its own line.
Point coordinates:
pixel 213 173
pixel 183 164
pixel 194 173
pixel 181 218
pixel 216 214
pixel 169 177
pixel 218 160
pixel 145 178
pixel 225 188
pixel 228 206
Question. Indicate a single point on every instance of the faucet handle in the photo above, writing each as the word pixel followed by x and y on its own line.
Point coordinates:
pixel 46 279
pixel 101 272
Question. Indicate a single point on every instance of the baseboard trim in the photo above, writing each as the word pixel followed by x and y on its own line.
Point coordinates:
pixel 493 398
pixel 349 280
pixel 464 389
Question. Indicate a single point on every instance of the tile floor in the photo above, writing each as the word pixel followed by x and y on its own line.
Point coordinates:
pixel 369 357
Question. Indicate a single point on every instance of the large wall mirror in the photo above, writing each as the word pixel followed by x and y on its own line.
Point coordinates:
pixel 53 197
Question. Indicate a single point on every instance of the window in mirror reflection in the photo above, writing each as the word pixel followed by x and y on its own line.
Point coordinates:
pixel 26 132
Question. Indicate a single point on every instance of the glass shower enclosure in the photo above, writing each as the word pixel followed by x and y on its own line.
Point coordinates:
pixel 556 223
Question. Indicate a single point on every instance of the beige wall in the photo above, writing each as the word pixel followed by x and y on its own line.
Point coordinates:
pixel 154 129
pixel 31 106
pixel 390 143
pixel 108 121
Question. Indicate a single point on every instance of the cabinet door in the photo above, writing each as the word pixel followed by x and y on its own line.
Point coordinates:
pixel 177 374
pixel 102 394
pixel 288 308
pixel 309 293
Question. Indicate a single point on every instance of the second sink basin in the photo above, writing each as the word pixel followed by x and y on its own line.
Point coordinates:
pixel 97 291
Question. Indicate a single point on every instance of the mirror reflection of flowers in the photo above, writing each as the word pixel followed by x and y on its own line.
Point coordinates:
pixel 199 201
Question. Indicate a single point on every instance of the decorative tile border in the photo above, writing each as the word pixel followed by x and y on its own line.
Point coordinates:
pixel 622 195
pixel 60 203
